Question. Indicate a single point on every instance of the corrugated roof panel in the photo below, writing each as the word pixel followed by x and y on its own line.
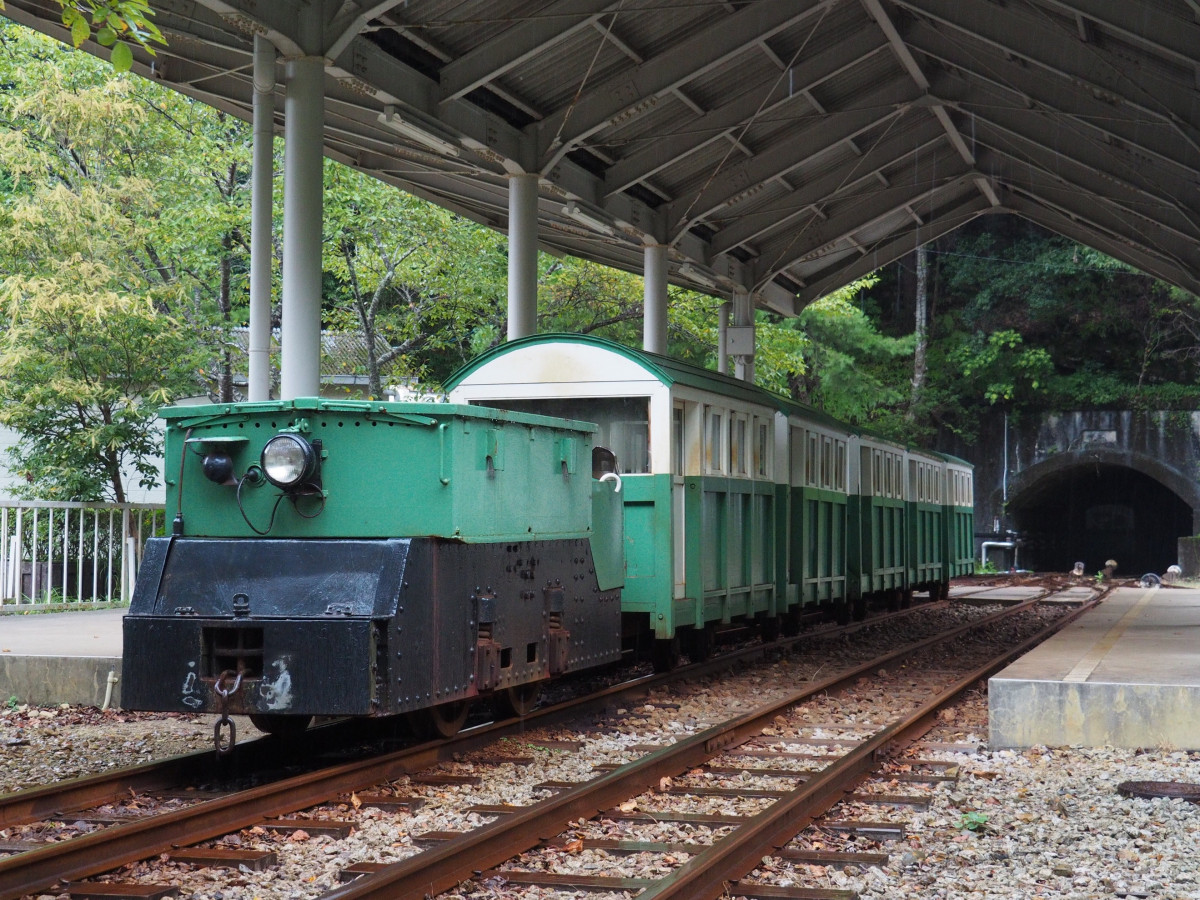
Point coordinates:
pixel 553 77
pixel 846 89
pixel 668 116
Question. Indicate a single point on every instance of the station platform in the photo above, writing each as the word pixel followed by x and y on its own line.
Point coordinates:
pixel 61 657
pixel 1126 674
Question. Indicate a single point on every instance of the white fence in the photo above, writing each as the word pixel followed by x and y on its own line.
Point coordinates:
pixel 64 555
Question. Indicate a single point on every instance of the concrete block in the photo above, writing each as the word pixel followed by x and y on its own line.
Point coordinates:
pixel 1022 713
pixel 51 680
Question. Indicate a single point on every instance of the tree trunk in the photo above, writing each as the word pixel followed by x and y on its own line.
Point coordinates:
pixel 374 383
pixel 918 379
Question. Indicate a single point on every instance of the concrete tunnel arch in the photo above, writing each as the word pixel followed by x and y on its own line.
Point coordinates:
pixel 1098 504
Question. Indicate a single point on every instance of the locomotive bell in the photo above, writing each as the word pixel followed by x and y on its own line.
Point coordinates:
pixel 218 467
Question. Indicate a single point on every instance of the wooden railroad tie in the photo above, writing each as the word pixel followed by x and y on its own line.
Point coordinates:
pixel 221 858
pixel 116 890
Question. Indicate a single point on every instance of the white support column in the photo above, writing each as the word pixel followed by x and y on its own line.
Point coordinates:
pixel 259 385
pixel 304 125
pixel 654 312
pixel 723 339
pixel 743 320
pixel 522 255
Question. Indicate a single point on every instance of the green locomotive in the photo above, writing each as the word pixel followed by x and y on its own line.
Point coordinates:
pixel 333 557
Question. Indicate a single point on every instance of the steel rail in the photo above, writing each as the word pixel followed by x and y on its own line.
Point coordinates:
pixel 707 875
pixel 441 868
pixel 88 791
pixel 40 869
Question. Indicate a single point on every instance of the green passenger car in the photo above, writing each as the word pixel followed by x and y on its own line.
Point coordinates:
pixel 877 553
pixel 925 523
pixel 959 512
pixel 696 452
pixel 739 505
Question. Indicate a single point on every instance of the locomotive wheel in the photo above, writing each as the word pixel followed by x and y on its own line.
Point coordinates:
pixel 842 610
pixel 700 642
pixel 666 653
pixel 519 700
pixel 790 622
pixel 444 720
pixel 284 726
pixel 769 627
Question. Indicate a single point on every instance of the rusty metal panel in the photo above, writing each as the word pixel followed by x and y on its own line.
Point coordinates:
pixel 359 627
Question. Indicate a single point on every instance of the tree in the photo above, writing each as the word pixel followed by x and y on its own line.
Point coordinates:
pixel 125 170
pixel 116 23
pixel 110 247
pixel 406 274
pixel 833 357
pixel 920 331
pixel 83 373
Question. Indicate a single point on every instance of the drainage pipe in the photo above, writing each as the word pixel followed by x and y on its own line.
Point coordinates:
pixel 1002 545
pixel 108 690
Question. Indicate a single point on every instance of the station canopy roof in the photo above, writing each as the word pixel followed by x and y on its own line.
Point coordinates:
pixel 786 146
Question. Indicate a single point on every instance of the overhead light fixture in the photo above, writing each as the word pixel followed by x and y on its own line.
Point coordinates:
pixel 693 274
pixel 572 211
pixel 393 121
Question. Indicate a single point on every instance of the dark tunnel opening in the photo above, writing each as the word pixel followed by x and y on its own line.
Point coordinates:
pixel 1093 513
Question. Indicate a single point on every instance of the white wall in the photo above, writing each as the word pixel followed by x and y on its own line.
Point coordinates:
pixel 134 491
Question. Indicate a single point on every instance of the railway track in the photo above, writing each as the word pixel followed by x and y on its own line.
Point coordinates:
pixel 436 869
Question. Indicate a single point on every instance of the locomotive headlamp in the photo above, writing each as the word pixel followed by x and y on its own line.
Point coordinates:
pixel 289 461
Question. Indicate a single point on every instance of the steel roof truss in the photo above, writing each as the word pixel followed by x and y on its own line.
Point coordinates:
pixel 681 63
pixel 522 41
pixel 886 102
pixel 764 100
pixel 880 254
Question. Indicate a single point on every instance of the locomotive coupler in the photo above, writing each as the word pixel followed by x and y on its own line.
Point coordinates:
pixel 224 745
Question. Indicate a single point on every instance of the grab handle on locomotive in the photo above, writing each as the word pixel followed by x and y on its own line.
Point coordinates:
pixel 612 476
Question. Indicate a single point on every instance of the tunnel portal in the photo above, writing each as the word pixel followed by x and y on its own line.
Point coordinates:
pixel 1095 512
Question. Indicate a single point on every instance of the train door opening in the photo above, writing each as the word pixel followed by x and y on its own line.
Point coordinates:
pixel 1093 513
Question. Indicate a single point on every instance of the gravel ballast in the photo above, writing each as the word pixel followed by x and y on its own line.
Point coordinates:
pixel 1040 823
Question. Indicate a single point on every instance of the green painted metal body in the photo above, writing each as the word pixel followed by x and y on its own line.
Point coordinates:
pixel 433 470
pixel 730 540
pixel 959 536
pixel 818 552
pixel 875 555
pixel 608 536
pixel 648 550
pixel 926 544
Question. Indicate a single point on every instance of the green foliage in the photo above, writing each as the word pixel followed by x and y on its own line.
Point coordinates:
pixel 109 250
pixel 117 24
pixel 1002 368
pixel 407 273
pixel 83 373
pixel 852 370
pixel 1029 322
pixel 974 821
